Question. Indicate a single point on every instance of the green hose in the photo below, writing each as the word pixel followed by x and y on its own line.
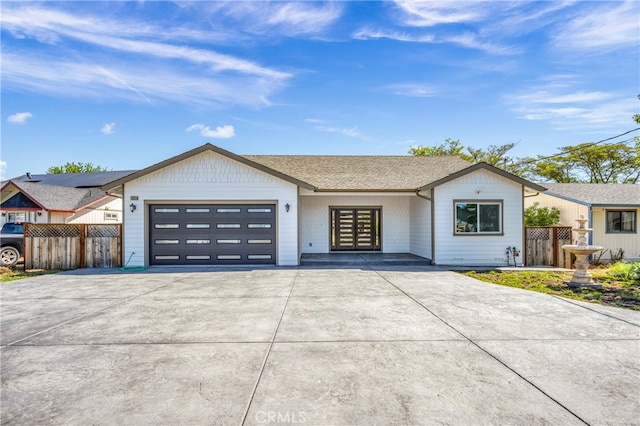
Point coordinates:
pixel 132 268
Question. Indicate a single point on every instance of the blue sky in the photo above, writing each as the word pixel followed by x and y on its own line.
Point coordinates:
pixel 127 84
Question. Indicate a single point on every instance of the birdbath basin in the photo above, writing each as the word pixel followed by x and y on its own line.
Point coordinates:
pixel 581 277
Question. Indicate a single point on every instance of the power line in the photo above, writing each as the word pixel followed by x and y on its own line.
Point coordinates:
pixel 586 145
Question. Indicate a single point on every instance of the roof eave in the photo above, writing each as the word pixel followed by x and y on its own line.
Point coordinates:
pixel 105 196
pixel 365 190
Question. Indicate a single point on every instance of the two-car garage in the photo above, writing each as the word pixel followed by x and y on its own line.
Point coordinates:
pixel 210 234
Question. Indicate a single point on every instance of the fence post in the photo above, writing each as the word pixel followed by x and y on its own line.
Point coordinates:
pixel 83 235
pixel 554 246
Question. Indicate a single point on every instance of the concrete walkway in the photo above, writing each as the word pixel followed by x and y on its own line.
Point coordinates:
pixel 394 345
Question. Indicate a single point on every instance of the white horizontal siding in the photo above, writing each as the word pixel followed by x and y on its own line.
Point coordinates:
pixel 212 178
pixel 420 238
pixel 95 213
pixel 56 217
pixel 315 226
pixel 569 210
pixel 487 250
pixel 630 243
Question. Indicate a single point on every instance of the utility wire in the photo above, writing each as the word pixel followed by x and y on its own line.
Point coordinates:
pixel 568 151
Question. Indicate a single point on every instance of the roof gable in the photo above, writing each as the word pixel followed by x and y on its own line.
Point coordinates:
pixel 58 198
pixel 204 148
pixel 20 201
pixel 488 167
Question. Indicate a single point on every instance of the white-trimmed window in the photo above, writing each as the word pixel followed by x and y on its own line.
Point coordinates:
pixel 477 217
pixel 621 221
pixel 16 217
pixel 110 216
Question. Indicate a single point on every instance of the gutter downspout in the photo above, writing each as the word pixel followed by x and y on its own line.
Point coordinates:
pixel 433 228
pixel 590 224
pixel 422 196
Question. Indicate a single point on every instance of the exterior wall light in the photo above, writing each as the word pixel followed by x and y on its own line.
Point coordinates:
pixel 132 207
pixel 287 207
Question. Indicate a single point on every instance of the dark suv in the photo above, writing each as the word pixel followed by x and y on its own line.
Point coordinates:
pixel 11 243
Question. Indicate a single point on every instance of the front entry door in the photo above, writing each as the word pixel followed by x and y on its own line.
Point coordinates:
pixel 355 229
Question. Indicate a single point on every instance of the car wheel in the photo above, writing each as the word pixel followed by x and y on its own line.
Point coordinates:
pixel 9 256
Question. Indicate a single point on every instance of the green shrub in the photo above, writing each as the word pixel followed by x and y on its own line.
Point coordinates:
pixel 626 271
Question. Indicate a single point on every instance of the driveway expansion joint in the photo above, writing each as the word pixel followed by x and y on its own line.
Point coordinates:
pixel 596 311
pixel 271 343
pixel 495 357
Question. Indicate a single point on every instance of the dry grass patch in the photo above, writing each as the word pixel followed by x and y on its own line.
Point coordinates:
pixel 616 291
pixel 19 273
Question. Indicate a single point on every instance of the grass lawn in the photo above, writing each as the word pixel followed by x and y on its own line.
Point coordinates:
pixel 623 292
pixel 18 273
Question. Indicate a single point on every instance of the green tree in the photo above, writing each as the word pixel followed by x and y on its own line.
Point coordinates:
pixel 534 215
pixel 590 163
pixel 75 168
pixel 495 155
pixel 449 147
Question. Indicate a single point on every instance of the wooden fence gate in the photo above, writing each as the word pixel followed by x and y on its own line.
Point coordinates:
pixel 543 246
pixel 71 246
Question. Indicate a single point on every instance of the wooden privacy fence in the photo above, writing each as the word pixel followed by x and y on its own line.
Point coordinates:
pixel 543 246
pixel 71 246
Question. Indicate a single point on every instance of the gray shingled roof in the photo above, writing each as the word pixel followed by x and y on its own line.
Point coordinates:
pixel 362 173
pixel 358 173
pixel 75 180
pixel 59 198
pixel 597 193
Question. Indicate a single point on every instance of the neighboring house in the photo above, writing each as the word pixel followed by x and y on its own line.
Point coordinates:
pixel 61 198
pixel 210 206
pixel 612 210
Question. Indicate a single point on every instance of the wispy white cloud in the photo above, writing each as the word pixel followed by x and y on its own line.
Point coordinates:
pixel 108 128
pixel 133 81
pixel 430 13
pixel 473 41
pixel 19 118
pixel 218 77
pixel 352 132
pixel 3 169
pixel 221 132
pixel 468 40
pixel 603 27
pixel 568 108
pixel 296 18
pixel 369 34
pixel 548 97
pixel 36 22
pixel 411 89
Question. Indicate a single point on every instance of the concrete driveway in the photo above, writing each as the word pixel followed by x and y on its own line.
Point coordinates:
pixel 398 345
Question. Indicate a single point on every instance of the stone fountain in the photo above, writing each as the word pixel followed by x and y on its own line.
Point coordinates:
pixel 581 277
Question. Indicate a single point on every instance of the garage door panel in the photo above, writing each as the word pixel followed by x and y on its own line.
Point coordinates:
pixel 212 234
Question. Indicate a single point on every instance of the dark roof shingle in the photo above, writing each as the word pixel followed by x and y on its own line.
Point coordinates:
pixel 75 180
